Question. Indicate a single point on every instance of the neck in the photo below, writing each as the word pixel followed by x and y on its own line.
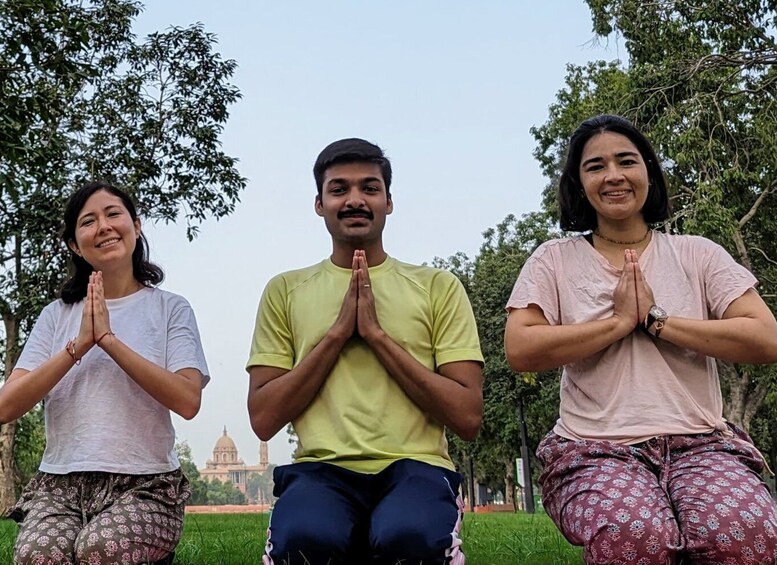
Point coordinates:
pixel 119 286
pixel 629 233
pixel 342 254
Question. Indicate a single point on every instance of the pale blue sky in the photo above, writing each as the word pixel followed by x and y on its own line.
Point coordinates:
pixel 449 89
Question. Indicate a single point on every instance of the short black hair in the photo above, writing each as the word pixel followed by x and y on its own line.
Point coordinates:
pixel 351 150
pixel 144 271
pixel 576 213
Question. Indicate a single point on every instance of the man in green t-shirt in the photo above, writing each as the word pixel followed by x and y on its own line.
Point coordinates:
pixel 370 359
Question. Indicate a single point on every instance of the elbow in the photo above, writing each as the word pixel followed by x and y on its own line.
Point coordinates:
pixel 521 361
pixel 190 409
pixel 468 428
pixel 263 429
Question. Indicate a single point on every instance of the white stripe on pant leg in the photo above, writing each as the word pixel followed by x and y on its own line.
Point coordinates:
pixel 454 552
pixel 266 559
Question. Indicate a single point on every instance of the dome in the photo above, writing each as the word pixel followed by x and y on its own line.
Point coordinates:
pixel 225 443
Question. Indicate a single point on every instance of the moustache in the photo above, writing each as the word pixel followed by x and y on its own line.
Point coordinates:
pixel 355 214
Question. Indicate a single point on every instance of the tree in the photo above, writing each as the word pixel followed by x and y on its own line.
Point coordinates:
pixel 80 99
pixel 489 280
pixel 700 81
pixel 259 486
pixel 199 487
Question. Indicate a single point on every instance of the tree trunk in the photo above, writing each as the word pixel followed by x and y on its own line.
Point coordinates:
pixel 8 431
pixel 7 491
pixel 510 483
pixel 744 399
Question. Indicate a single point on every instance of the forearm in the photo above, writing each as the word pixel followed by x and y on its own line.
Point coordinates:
pixel 541 347
pixel 273 404
pixel 174 391
pixel 737 340
pixel 452 404
pixel 24 390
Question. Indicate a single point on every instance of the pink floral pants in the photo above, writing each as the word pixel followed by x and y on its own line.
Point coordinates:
pixel 674 499
pixel 99 518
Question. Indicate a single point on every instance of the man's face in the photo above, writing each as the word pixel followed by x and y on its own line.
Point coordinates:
pixel 354 203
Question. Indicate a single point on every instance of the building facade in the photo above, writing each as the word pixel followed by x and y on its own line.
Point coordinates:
pixel 227 466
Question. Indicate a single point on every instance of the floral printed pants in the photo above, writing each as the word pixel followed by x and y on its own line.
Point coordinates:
pixel 697 498
pixel 99 518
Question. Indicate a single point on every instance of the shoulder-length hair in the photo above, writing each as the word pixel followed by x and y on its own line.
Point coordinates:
pixel 576 212
pixel 144 271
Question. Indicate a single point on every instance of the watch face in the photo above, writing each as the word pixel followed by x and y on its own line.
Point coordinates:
pixel 658 313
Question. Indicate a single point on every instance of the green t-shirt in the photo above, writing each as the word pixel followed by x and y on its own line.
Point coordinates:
pixel 361 419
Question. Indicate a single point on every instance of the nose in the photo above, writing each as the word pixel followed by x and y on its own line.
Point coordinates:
pixel 102 224
pixel 613 174
pixel 355 199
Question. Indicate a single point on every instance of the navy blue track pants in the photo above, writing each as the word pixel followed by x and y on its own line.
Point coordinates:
pixel 410 512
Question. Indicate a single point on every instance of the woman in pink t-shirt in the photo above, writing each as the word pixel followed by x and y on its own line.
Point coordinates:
pixel 641 466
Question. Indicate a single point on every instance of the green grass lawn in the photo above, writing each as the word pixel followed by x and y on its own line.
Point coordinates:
pixel 238 539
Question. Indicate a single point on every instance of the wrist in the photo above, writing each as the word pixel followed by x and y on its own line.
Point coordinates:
pixel 77 349
pixel 106 338
pixel 655 319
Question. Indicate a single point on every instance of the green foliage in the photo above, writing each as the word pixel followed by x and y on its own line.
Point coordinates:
pixel 28 447
pixel 489 280
pixel 259 486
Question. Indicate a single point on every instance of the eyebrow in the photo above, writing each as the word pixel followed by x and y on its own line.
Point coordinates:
pixel 340 180
pixel 108 207
pixel 619 155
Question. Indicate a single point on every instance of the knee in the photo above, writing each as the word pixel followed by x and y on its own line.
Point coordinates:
pixel 306 541
pixel 739 543
pixel 40 548
pixel 638 542
pixel 97 547
pixel 405 540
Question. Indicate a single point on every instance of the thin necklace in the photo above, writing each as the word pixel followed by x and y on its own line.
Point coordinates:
pixel 616 242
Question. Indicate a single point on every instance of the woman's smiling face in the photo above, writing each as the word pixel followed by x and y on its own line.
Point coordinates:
pixel 614 176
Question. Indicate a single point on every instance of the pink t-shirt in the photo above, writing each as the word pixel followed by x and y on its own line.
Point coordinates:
pixel 638 387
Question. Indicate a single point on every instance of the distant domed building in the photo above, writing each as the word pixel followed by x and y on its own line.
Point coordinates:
pixel 227 466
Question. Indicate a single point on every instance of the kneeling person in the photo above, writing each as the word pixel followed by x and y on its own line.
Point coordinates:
pixel 370 358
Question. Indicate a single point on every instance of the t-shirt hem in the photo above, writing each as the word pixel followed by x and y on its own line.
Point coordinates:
pixel 374 466
pixel 269 361
pixel 632 440
pixel 459 355
pixel 107 468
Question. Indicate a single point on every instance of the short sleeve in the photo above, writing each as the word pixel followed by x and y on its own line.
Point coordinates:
pixel 536 284
pixel 272 344
pixel 725 280
pixel 184 346
pixel 454 330
pixel 40 344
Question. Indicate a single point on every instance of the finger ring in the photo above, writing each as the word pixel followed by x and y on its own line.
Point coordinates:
pixel 366 286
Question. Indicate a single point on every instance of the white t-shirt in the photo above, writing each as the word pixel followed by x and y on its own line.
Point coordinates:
pixel 98 418
pixel 639 387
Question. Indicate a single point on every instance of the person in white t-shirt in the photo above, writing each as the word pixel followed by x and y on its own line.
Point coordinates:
pixel 110 359
pixel 641 466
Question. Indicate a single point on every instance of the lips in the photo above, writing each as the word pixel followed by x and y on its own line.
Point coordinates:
pixel 616 193
pixel 108 242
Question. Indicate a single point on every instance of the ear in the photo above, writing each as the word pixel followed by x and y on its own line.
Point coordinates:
pixel 389 205
pixel 319 207
pixel 137 227
pixel 74 247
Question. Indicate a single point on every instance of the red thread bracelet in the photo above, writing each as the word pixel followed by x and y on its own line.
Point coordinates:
pixel 103 336
pixel 70 347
